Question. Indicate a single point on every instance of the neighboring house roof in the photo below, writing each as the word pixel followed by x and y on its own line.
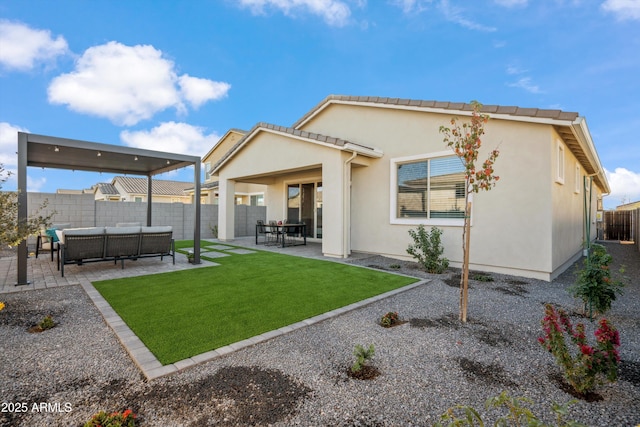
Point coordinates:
pixel 160 187
pixel 230 131
pixel 628 206
pixel 107 188
pixel 328 141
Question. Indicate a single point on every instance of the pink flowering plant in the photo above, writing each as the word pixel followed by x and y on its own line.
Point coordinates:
pixel 587 366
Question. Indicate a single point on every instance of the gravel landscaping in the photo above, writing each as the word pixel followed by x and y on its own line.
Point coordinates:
pixel 426 365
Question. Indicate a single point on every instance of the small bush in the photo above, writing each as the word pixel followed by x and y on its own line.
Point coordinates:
pixel 427 249
pixel 114 419
pixel 594 285
pixel 46 323
pixel 389 319
pixel 363 357
pixel 517 415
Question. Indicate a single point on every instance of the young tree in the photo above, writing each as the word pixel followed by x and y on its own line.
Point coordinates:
pixel 465 141
pixel 11 231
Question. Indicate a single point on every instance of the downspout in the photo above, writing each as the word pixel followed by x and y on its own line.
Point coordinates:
pixel 346 200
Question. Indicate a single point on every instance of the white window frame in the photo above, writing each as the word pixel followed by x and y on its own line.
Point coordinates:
pixel 393 193
pixel 560 162
pixel 578 178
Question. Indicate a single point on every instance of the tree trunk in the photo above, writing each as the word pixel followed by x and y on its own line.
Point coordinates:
pixel 464 277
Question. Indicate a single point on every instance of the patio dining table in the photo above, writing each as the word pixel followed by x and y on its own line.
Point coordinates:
pixel 281 232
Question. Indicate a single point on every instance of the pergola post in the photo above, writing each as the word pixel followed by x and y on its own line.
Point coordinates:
pixel 196 224
pixel 22 207
pixel 149 199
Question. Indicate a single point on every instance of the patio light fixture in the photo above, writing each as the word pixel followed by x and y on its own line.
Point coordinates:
pixel 56 149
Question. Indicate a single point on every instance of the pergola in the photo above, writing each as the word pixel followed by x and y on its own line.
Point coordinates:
pixel 63 153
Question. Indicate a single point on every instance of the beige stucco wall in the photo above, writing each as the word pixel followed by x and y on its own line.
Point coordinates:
pixel 528 225
pixel 275 160
pixel 511 223
pixel 568 232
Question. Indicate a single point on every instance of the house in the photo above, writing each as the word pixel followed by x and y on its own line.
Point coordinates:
pixel 245 193
pixel 362 171
pixel 130 189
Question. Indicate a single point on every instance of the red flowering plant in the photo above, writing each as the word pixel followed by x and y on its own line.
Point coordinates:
pixel 114 419
pixel 390 319
pixel 588 365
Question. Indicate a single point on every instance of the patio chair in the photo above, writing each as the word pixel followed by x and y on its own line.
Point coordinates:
pixel 47 239
pixel 265 231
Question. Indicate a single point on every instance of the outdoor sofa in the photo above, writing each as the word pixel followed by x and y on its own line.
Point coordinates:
pixel 95 244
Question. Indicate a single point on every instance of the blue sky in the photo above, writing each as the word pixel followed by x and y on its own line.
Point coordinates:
pixel 174 76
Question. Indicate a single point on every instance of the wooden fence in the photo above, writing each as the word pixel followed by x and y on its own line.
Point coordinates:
pixel 619 225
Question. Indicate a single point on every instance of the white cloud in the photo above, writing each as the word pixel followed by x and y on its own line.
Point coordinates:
pixel 412 6
pixel 623 9
pixel 197 91
pixel 127 84
pixel 172 137
pixel 526 84
pixel 23 47
pixel 625 185
pixel 35 184
pixel 511 3
pixel 455 15
pixel 9 158
pixel 334 12
pixel 9 144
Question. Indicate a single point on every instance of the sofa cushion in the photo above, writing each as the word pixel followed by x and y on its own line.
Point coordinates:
pixel 157 229
pixel 122 230
pixel 128 224
pixel 90 231
pixel 61 226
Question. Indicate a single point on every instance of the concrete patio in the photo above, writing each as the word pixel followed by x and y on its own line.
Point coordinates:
pixel 43 273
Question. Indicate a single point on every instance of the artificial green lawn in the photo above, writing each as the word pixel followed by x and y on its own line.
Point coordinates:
pixel 184 313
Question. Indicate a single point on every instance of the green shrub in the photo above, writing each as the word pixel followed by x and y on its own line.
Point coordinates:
pixel 46 323
pixel 517 415
pixel 594 286
pixel 427 249
pixel 363 356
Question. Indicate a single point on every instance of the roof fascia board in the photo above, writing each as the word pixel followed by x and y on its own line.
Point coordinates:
pixel 583 136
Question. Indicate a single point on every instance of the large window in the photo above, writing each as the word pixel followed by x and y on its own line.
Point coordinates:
pixel 428 188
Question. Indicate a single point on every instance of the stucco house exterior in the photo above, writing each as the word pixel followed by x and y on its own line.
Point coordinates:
pixel 245 193
pixel 362 171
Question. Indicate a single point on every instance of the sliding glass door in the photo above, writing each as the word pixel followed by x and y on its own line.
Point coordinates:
pixel 304 203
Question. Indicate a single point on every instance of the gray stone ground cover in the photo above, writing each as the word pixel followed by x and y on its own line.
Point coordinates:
pixel 427 364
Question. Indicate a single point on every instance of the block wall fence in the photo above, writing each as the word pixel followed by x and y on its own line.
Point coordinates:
pixel 81 210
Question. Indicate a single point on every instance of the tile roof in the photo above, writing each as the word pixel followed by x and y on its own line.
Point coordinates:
pixel 107 188
pixel 338 142
pixel 460 106
pixel 160 187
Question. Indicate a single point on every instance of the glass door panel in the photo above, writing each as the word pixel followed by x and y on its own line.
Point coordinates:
pixel 307 212
pixel 319 211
